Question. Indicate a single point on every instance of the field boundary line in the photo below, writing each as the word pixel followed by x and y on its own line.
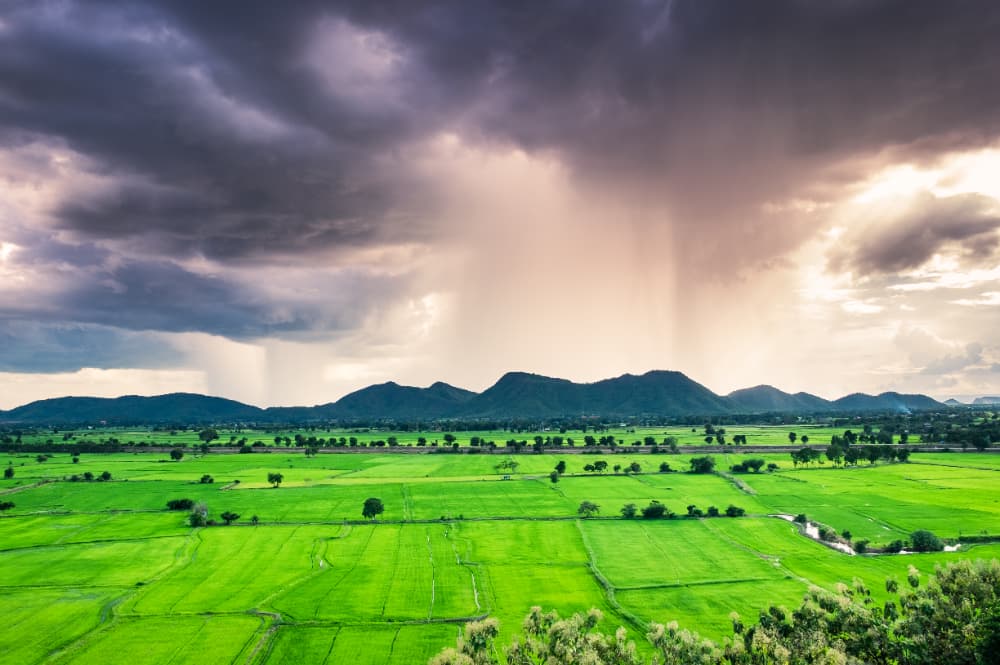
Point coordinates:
pixel 22 488
pixel 265 637
pixel 606 585
pixel 739 483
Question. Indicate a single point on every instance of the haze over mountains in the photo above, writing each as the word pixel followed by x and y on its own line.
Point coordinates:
pixel 515 395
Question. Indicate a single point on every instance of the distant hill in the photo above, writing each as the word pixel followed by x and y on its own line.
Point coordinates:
pixel 172 408
pixel 403 402
pixel 980 401
pixel 953 402
pixel 653 393
pixel 886 402
pixel 768 399
pixel 515 395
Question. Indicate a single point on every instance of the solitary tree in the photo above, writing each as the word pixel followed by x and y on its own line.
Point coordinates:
pixel 373 508
pixel 561 466
pixel 629 511
pixel 176 454
pixel 8 472
pixel 106 475
pixel 208 435
pixel 6 505
pixel 207 480
pixel 229 517
pixel 275 479
pixel 925 541
pixel 792 436
pixel 254 520
pixel 554 476
pixel 704 464
pixel 588 509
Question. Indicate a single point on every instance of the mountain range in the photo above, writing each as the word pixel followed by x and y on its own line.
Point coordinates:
pixel 517 395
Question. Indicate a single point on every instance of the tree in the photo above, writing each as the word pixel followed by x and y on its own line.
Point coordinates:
pixel 180 504
pixel 229 517
pixel 629 511
pixel 275 479
pixel 655 510
pixel 894 547
pixel 8 472
pixel 554 476
pixel 925 541
pixel 792 436
pixel 735 511
pixel 561 467
pixel 199 515
pixel 804 439
pixel 255 520
pixel 705 464
pixel 635 467
pixel 207 480
pixel 373 508
pixel 105 476
pixel 588 509
pixel 449 439
pixel 664 467
pixel 177 454
pixel 6 505
pixel 208 435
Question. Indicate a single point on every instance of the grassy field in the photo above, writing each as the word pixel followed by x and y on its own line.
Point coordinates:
pixel 93 570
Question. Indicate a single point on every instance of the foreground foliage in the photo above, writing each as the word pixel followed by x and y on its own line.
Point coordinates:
pixel 953 619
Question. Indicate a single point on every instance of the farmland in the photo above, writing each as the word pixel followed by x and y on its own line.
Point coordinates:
pixel 93 569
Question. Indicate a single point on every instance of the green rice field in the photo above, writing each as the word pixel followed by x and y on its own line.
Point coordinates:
pixel 92 570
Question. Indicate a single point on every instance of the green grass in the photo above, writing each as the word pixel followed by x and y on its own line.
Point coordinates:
pixel 90 571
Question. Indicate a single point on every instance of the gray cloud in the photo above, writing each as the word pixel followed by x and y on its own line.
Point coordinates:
pixel 907 240
pixel 30 346
pixel 956 363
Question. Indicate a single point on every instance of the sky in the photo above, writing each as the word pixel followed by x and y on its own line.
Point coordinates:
pixel 284 202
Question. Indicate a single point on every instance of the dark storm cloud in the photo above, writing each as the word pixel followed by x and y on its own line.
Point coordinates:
pixel 219 143
pixel 234 147
pixel 968 222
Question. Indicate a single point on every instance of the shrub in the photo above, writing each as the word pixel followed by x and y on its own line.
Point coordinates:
pixel 655 510
pixel 925 541
pixel 180 504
